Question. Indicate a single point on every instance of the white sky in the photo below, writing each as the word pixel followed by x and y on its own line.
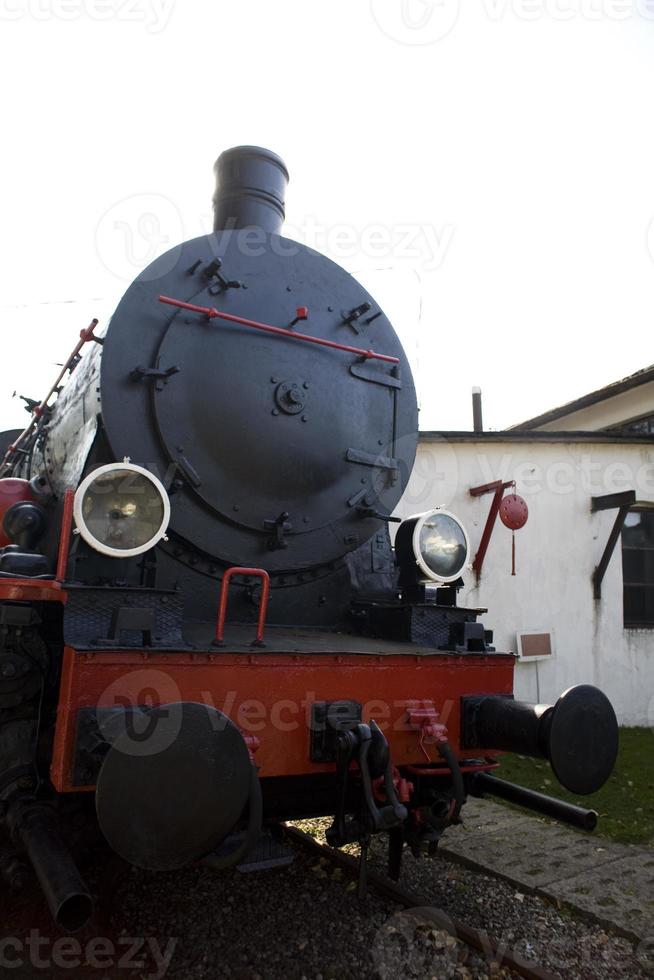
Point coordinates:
pixel 487 169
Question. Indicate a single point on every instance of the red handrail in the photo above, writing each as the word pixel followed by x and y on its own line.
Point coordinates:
pixel 211 312
pixel 64 535
pixel 222 606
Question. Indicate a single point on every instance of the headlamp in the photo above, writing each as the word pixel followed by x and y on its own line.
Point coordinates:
pixel 121 510
pixel 436 542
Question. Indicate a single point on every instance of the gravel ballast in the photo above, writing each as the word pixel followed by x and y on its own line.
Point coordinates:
pixel 305 921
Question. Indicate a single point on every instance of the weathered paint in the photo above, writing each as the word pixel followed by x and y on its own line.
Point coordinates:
pixel 270 695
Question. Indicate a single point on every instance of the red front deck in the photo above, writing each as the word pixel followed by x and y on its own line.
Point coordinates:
pixel 269 694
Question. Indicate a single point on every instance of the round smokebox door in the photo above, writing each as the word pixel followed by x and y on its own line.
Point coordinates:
pixel 172 786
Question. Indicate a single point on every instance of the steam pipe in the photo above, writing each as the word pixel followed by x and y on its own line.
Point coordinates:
pixel 67 896
pixel 250 188
pixel 481 783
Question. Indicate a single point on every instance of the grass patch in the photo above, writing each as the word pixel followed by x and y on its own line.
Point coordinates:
pixel 625 804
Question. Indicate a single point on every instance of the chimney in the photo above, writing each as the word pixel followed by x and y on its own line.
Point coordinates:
pixel 250 189
pixel 477 422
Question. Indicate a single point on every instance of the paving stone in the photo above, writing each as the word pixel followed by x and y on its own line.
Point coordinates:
pixel 613 883
pixel 530 852
pixel 484 817
pixel 618 893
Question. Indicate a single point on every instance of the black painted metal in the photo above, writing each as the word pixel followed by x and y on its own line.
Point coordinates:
pixel 578 735
pixel 7 438
pixel 97 617
pixel 427 624
pixel 243 427
pixel 328 718
pixel 250 189
pixel 482 783
pixel 171 788
pixel 67 896
pixel 623 501
pixel 609 501
pixel 216 424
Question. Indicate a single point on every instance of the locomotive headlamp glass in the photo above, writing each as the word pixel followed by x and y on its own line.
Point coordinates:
pixel 121 510
pixel 440 545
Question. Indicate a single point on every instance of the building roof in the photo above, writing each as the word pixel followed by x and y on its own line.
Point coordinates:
pixel 521 434
pixel 601 394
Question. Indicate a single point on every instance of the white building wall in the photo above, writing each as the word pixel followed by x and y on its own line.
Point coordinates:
pixel 556 553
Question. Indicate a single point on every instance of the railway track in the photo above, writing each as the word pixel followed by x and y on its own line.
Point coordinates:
pixel 475 938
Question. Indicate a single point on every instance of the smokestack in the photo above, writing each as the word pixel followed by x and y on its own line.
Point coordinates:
pixel 250 188
pixel 477 421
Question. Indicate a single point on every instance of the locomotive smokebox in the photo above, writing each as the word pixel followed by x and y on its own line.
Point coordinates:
pixel 250 189
pixel 578 735
pixel 288 447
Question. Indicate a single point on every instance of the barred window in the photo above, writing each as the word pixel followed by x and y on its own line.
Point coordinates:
pixel 638 568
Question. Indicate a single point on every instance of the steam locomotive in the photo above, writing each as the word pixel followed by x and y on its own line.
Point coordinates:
pixel 203 623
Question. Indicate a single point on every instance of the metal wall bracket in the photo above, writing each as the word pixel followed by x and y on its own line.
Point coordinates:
pixel 609 501
pixel 497 488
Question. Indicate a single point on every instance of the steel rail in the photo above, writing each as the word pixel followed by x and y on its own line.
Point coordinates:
pixel 471 937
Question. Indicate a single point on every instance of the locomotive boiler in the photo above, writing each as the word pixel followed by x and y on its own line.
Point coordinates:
pixel 203 623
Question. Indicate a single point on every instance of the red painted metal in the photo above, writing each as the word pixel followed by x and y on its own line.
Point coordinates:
pixel 513 511
pixel 270 695
pixel 64 738
pixel 497 489
pixel 65 535
pixel 446 771
pixel 403 787
pixel 12 491
pixel 301 313
pixel 31 590
pixel 253 744
pixel 211 312
pixel 263 605
pixel 424 717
